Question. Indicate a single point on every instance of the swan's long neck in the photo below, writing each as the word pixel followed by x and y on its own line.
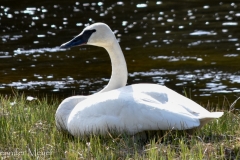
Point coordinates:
pixel 119 68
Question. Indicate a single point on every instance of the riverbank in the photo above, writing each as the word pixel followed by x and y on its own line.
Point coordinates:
pixel 28 131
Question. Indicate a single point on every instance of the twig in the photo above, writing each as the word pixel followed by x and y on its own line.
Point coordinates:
pixel 233 104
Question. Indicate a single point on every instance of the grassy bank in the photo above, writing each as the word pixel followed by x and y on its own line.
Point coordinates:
pixel 28 131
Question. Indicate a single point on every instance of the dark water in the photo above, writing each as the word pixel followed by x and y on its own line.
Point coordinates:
pixel 189 44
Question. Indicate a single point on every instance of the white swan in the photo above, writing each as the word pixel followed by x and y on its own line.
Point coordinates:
pixel 121 108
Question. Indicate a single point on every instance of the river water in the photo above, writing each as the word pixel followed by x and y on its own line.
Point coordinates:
pixel 190 45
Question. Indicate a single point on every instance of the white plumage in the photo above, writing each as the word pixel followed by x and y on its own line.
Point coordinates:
pixel 131 109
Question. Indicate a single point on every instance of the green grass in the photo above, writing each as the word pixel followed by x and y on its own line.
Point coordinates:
pixel 27 131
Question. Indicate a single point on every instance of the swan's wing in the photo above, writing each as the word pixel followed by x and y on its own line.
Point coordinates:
pixel 164 94
pixel 176 102
pixel 154 115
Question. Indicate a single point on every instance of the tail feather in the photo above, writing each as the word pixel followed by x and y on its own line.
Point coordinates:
pixel 216 114
pixel 211 116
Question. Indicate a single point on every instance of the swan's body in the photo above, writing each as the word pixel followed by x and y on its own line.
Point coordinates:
pixel 121 108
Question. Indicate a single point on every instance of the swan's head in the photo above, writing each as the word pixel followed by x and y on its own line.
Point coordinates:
pixel 97 34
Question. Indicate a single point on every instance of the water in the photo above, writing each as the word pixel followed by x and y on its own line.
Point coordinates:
pixel 192 45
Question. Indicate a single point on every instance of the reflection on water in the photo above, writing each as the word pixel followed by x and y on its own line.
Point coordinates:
pixel 179 44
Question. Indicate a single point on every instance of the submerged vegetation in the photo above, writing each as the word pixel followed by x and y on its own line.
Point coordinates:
pixel 27 128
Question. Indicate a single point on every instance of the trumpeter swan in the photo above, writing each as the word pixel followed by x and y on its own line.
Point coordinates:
pixel 132 109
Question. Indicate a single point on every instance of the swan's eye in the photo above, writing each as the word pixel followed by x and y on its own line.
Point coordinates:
pixel 90 31
pixel 87 34
pixel 84 37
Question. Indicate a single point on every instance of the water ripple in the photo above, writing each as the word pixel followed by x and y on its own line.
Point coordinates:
pixel 39 50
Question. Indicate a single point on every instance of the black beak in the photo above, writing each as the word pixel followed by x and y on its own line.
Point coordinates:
pixel 79 40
